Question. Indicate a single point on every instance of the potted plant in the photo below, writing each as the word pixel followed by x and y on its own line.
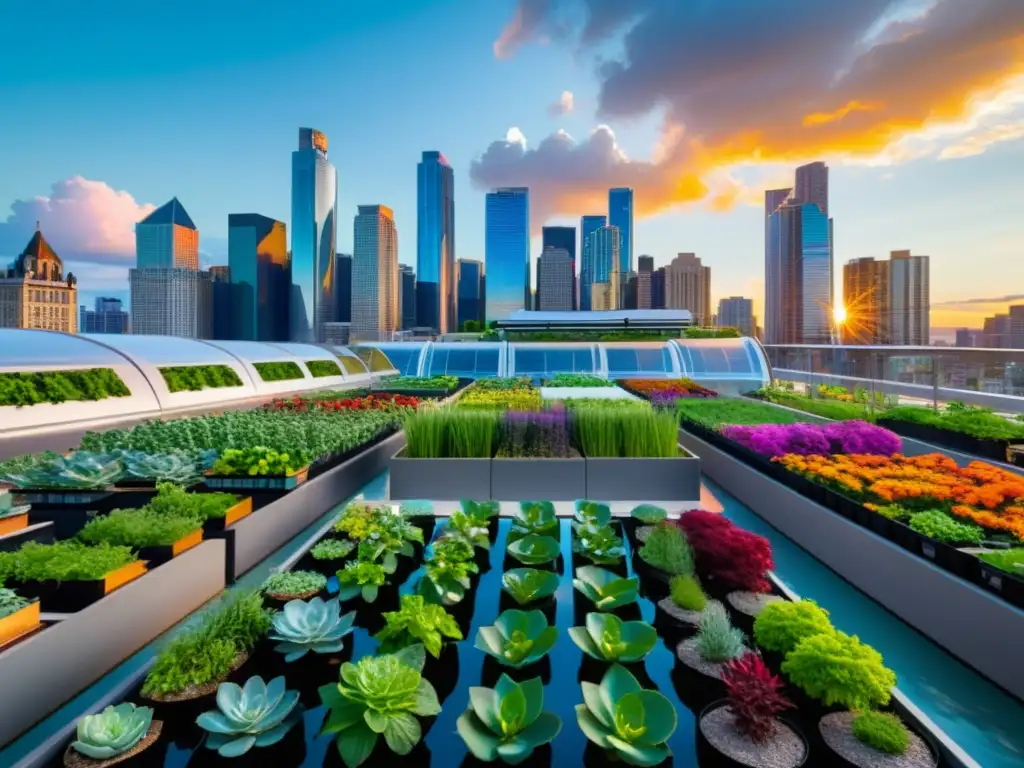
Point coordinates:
pixel 534 518
pixel 535 551
pixel 744 729
pixel 716 643
pixel 328 555
pixel 643 518
pixel 686 600
pixel 607 591
pixel 18 616
pixel 606 637
pixel 529 588
pixel 665 553
pixel 448 571
pixel 421 514
pixel 507 722
pixel 837 669
pixel 113 736
pixel 726 555
pixel 388 691
pixel 284 586
pixel 589 512
pixel 518 638
pixel 257 714
pixel 599 545
pixel 781 626
pixel 315 625
pixel 361 578
pixel 417 621
pixel 868 739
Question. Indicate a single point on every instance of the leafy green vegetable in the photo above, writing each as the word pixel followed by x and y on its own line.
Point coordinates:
pixel 82 470
pixel 280 371
pixel 87 384
pixel 508 721
pixel 605 589
pixel 518 638
pixel 360 578
pixel 332 549
pixel 941 527
pixel 179 467
pixel 606 637
pixel 534 517
pixel 448 570
pixel 648 514
pixel 193 378
pixel 259 461
pixel 417 621
pixel 592 512
pixel 321 368
pixel 10 602
pixel 525 585
pixel 535 550
pixel 471 527
pixel 598 544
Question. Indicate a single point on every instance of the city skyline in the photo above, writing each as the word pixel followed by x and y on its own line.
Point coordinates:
pixel 944 188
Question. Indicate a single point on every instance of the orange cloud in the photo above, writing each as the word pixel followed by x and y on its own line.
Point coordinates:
pixel 821 118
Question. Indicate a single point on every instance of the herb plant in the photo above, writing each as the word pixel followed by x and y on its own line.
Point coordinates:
pixel 379 695
pixel 112 732
pixel 685 591
pixel 606 637
pixel 755 696
pixel 838 669
pixel 66 561
pixel 361 579
pixel 259 461
pixel 882 730
pixel 257 714
pixel 605 589
pixel 138 528
pixel 417 621
pixel 526 585
pixel 10 602
pixel 448 570
pixel 717 639
pixel 782 625
pixel 518 638
pixel 535 550
pixel 282 371
pixel 941 527
pixel 471 528
pixel 508 721
pixel 332 549
pixel 668 550
pixel 316 626
pixel 294 583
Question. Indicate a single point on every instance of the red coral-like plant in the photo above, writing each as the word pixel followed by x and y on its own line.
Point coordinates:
pixel 737 558
pixel 755 696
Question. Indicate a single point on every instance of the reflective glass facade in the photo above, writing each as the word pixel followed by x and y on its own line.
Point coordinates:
pixel 343 288
pixel 406 297
pixel 260 274
pixel 620 214
pixel 470 274
pixel 435 251
pixel 507 248
pixel 314 237
pixel 815 275
pixel 587 225
pixel 565 238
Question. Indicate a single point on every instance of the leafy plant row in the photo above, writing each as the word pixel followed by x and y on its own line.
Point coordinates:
pixel 87 384
pixel 193 378
pixel 279 371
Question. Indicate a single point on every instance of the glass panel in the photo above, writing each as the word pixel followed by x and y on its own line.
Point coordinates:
pixel 405 359
pixel 545 362
pixel 375 359
pixel 352 365
pixel 487 362
pixel 629 362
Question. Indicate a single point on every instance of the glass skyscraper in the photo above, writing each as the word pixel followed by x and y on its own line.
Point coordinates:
pixel 564 238
pixel 587 225
pixel 406 297
pixel 374 274
pixel 470 279
pixel 259 269
pixel 343 288
pixel 620 214
pixel 507 251
pixel 798 283
pixel 314 237
pixel 435 244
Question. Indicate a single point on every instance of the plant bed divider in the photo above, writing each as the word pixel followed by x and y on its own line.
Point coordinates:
pixel 253 538
pixel 628 479
pixel 13 523
pixel 19 623
pixel 233 514
pixel 159 555
pixel 523 479
pixel 50 667
pixel 883 571
pixel 43 532
pixel 73 596
pixel 439 479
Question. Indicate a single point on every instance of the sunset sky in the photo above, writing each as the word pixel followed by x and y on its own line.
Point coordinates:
pixel 699 105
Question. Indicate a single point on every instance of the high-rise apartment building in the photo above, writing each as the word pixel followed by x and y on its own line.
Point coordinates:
pixel 645 282
pixel 435 244
pixel 106 316
pixel 587 225
pixel 688 286
pixel 507 251
pixel 222 299
pixel 887 302
pixel 555 280
pixel 343 288
pixel 997 332
pixel 969 337
pixel 564 238
pixel 737 312
pixel 314 237
pixel 909 299
pixel 260 272
pixel 406 297
pixel 658 289
pixel 374 274
pixel 35 292
pixel 470 280
pixel 620 214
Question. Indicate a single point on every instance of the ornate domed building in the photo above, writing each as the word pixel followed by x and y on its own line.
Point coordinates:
pixel 35 292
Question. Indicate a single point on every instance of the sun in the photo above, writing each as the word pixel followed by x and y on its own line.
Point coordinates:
pixel 839 314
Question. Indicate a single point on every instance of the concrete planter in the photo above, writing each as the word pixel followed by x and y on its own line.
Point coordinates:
pixel 548 479
pixel 439 479
pixel 676 479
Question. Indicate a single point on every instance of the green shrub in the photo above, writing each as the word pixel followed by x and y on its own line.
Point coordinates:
pixel 288 583
pixel 782 625
pixel 193 378
pixel 717 639
pixel 88 384
pixel 881 730
pixel 280 371
pixel 65 561
pixel 321 368
pixel 711 333
pixel 715 412
pixel 943 528
pixel 838 669
pixel 1009 560
pixel 668 550
pixel 685 592
pixel 205 652
pixel 138 528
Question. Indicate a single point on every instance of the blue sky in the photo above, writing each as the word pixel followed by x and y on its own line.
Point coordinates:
pixel 181 100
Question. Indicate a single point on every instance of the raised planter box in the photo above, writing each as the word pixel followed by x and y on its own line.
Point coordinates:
pixel 257 482
pixel 159 555
pixel 48 668
pixel 72 596
pixel 526 479
pixel 41 532
pixel 238 512
pixel 439 479
pixel 995 450
pixel 628 479
pixel 19 623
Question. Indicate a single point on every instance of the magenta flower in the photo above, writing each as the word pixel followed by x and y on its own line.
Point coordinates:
pixel 773 440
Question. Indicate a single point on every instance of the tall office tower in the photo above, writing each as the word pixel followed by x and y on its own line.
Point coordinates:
pixel 406 297
pixel 374 274
pixel 866 299
pixel 587 225
pixel 222 301
pixel 564 238
pixel 167 238
pixel 997 332
pixel 630 289
pixel 1016 313
pixel 555 280
pixel 435 244
pixel 620 214
pixel 688 286
pixel 909 299
pixel 605 245
pixel 314 237
pixel 469 275
pixel 507 252
pixel 812 185
pixel 774 285
pixel 969 337
pixel 343 288
pixel 107 316
pixel 658 288
pixel 261 278
pixel 737 312
pixel 644 282
pixel 35 292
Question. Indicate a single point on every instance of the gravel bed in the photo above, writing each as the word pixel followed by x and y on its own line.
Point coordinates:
pixel 836 729
pixel 751 603
pixel 643 532
pixel 785 749
pixel 681 614
pixel 688 654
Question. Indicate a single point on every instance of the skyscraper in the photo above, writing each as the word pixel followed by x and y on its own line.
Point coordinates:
pixel 812 185
pixel 314 237
pixel 259 269
pixel 737 312
pixel 167 238
pixel 343 288
pixel 620 214
pixel 688 286
pixel 222 300
pixel 435 244
pixel 507 251
pixel 644 282
pixel 604 244
pixel 470 280
pixel 587 225
pixel 866 298
pixel 555 280
pixel 658 289
pixel 107 316
pixel 909 299
pixel 406 297
pixel 374 274
pixel 564 238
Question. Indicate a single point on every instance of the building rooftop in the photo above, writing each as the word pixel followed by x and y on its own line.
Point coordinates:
pixel 172 212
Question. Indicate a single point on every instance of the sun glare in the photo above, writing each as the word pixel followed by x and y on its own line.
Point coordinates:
pixel 839 314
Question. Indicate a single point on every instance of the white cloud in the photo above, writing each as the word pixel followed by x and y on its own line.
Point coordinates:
pixel 563 106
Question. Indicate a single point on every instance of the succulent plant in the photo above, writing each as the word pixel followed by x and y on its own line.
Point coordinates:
pixel 82 470
pixel 316 626
pixel 417 621
pixel 605 589
pixel 755 696
pixel 525 585
pixel 537 517
pixel 257 714
pixel 517 638
pixel 717 639
pixel 291 583
pixel 481 511
pixel 648 514
pixel 535 550
pixel 507 722
pixel 606 637
pixel 592 512
pixel 598 543
pixel 112 732
pixel 379 695
pixel 180 467
pixel 628 721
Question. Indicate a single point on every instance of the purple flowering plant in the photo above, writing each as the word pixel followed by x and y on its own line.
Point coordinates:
pixel 772 440
pixel 535 434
